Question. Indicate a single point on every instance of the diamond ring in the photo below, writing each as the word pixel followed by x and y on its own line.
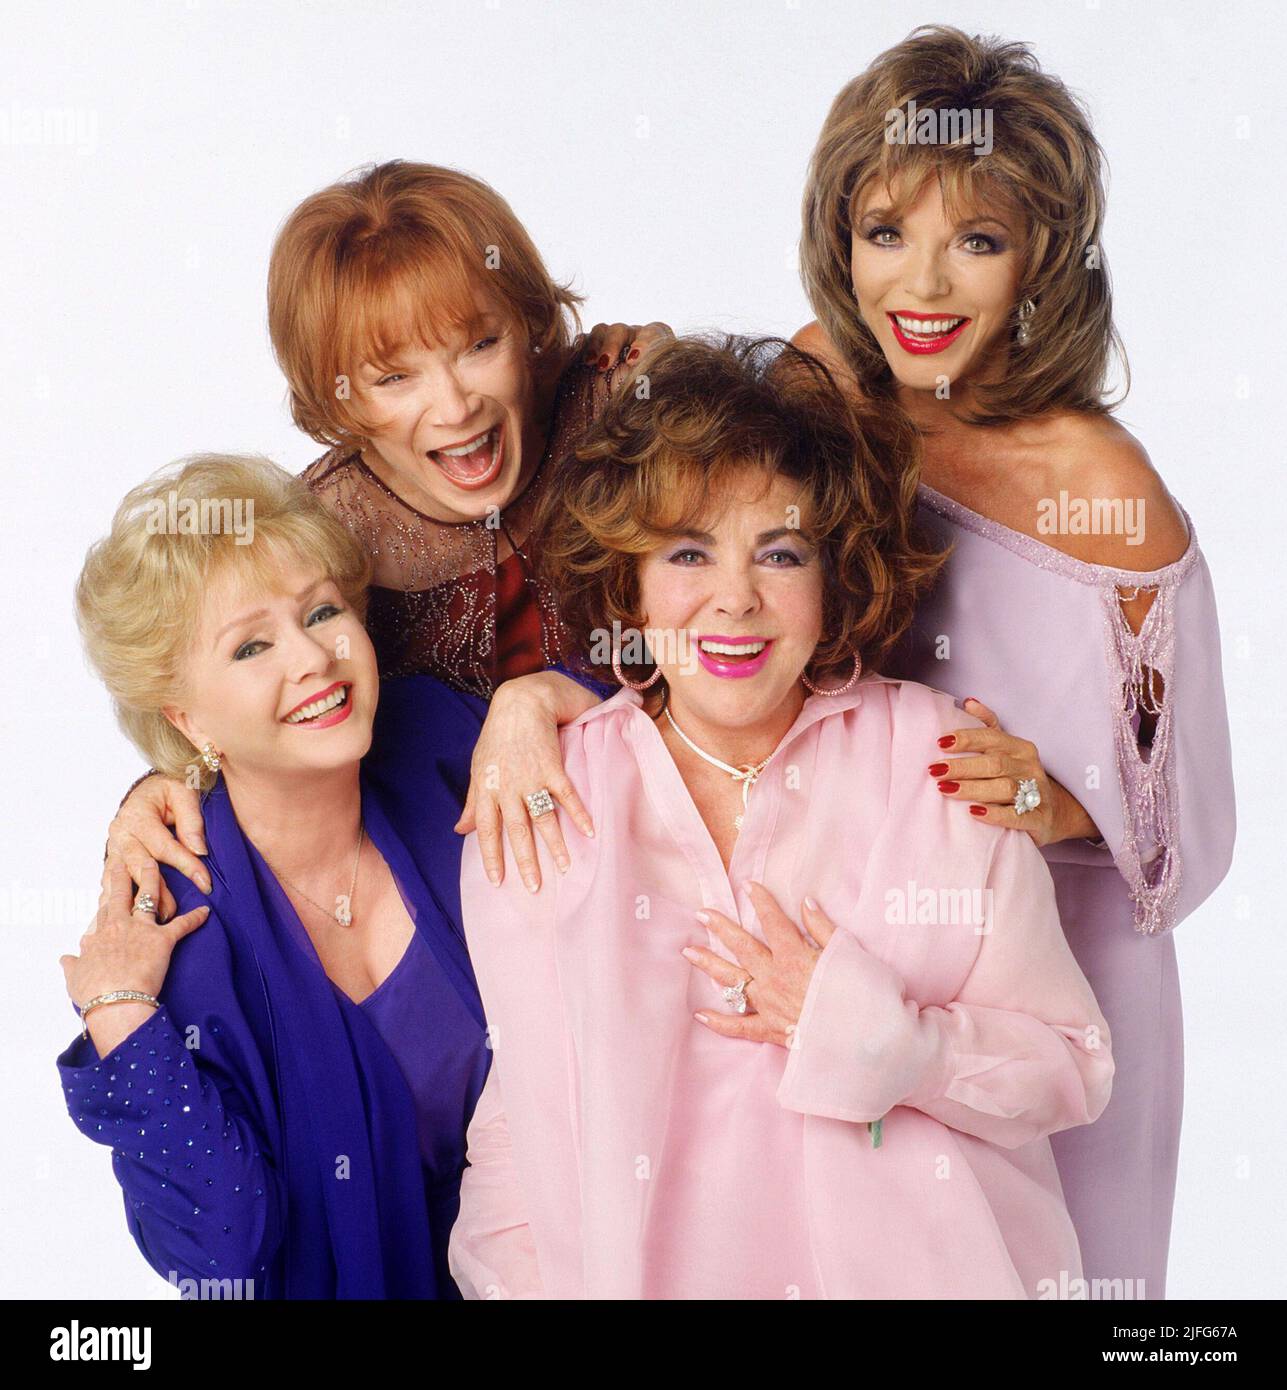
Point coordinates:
pixel 539 803
pixel 736 995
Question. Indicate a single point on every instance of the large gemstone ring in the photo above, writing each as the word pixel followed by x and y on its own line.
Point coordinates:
pixel 736 995
pixel 1027 798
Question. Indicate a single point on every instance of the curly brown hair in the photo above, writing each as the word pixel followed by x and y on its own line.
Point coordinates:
pixel 697 415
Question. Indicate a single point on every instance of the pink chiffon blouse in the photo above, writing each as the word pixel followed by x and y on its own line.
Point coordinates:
pixel 622 1150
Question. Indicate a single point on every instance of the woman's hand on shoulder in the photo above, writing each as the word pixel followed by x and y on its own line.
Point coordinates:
pixel 607 344
pixel 140 837
pixel 517 755
pixel 988 780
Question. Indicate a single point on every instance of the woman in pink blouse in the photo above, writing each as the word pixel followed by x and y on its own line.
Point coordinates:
pixel 853 1107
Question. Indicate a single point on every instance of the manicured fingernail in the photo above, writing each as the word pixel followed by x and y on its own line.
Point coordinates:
pixel 531 885
pixel 634 352
pixel 968 698
pixel 200 844
pixel 948 787
pixel 205 883
pixel 563 865
pixel 603 362
pixel 938 769
pixel 947 741
pixel 701 1018
pixel 704 918
pixel 810 904
pixel 494 877
pixel 978 810
pixel 689 954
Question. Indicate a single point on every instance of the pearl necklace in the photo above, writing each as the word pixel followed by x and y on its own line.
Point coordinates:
pixel 746 774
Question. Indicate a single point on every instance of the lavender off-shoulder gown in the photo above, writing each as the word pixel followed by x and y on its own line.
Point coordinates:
pixel 1039 637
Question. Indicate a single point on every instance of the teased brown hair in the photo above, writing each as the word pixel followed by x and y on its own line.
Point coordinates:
pixel 650 465
pixel 396 253
pixel 1045 164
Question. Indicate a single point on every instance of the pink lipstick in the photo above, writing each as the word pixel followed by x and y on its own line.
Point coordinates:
pixel 733 664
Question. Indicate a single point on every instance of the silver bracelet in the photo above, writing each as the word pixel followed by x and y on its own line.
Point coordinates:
pixel 116 996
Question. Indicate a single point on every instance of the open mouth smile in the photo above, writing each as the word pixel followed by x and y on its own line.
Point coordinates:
pixel 328 707
pixel 733 656
pixel 925 333
pixel 475 462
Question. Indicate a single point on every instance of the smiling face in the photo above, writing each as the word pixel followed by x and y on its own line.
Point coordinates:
pixel 283 683
pixel 454 422
pixel 748 593
pixel 937 292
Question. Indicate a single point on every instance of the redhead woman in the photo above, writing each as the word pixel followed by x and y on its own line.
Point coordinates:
pixel 283 1070
pixel 789 1027
pixel 426 345
pixel 965 283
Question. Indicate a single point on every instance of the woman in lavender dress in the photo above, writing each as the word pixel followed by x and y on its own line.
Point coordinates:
pixel 967 286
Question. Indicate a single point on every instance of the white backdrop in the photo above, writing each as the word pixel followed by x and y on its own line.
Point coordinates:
pixel 656 151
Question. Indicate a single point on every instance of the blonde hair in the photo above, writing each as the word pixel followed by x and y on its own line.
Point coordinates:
pixel 140 592
pixel 1045 163
pixel 392 254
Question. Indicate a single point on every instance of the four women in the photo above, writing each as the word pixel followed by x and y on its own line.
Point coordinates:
pixel 424 343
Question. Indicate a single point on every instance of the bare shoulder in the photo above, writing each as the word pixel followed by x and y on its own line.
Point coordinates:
pixel 812 338
pixel 1106 473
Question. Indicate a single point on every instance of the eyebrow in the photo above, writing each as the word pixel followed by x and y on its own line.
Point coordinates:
pixel 489 321
pixel 884 214
pixel 762 539
pixel 245 618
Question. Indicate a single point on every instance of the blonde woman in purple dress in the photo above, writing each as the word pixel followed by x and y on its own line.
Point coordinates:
pixel 963 280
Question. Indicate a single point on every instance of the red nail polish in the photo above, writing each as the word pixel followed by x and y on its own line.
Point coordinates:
pixel 947 741
pixel 603 362
pixel 938 769
pixel 947 787
pixel 634 352
pixel 978 810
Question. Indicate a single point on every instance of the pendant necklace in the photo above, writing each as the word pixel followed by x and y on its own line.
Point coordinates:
pixel 343 910
pixel 746 774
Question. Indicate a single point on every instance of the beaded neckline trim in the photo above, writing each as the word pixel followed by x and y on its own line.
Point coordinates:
pixel 1048 558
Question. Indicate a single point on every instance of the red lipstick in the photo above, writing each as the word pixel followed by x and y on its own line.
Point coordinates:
pixel 923 344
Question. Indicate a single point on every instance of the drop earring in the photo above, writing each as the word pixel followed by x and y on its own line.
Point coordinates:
pixel 1024 334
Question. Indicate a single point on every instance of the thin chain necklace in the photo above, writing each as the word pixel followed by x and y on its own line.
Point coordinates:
pixel 746 774
pixel 343 910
